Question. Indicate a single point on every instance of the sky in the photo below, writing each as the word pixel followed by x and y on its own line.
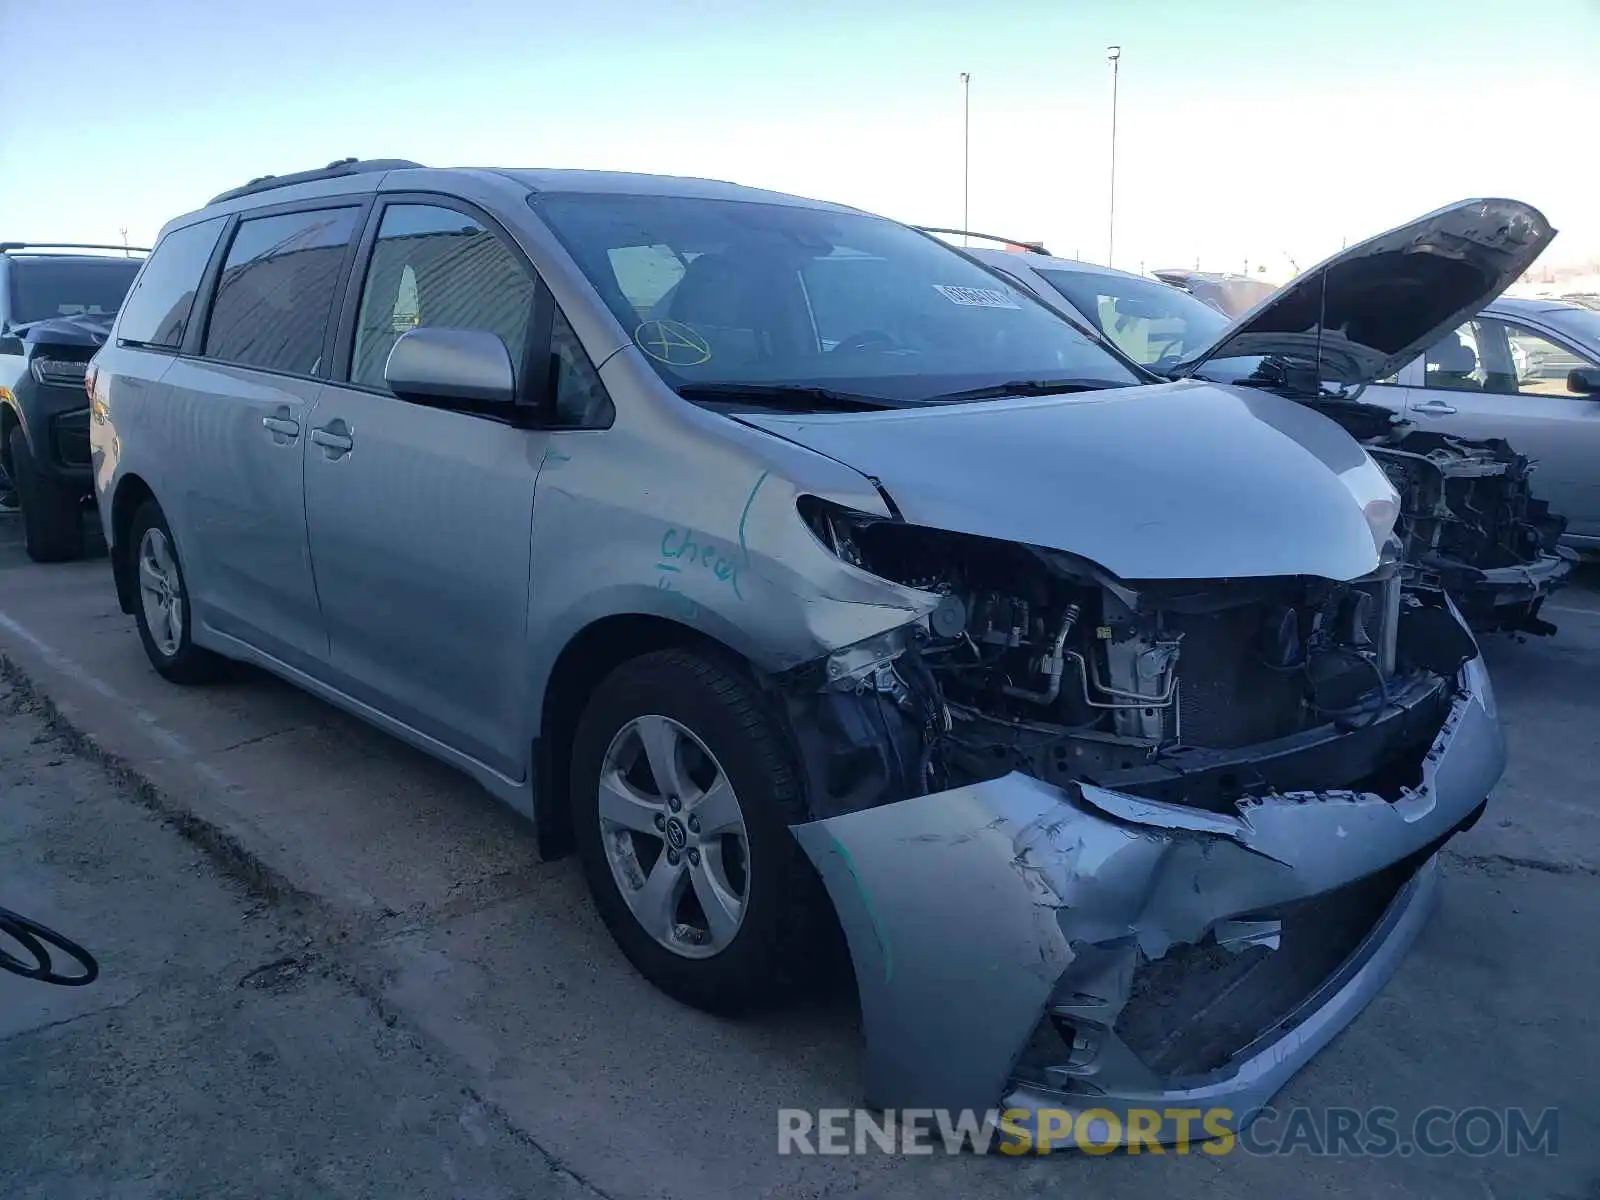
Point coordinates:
pixel 1259 132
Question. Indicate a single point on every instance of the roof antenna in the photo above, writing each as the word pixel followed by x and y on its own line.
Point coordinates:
pixel 124 231
pixel 1322 318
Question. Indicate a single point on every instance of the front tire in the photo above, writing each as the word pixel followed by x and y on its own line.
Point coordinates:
pixel 162 609
pixel 52 520
pixel 683 791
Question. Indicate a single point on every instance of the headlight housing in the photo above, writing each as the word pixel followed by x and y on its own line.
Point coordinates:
pixel 58 371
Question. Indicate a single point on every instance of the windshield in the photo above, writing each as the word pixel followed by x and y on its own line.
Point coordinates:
pixel 1152 323
pixel 44 287
pixel 1583 324
pixel 728 292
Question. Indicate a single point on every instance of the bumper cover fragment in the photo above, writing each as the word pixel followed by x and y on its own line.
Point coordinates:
pixel 977 913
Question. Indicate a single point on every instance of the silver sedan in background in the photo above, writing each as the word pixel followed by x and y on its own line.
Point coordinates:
pixel 1527 371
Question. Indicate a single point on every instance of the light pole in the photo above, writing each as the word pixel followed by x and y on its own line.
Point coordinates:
pixel 966 154
pixel 1113 54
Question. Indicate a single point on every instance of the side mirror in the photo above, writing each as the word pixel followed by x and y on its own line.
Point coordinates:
pixel 1585 381
pixel 465 368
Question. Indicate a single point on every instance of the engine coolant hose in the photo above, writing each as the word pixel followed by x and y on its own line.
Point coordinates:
pixel 37 940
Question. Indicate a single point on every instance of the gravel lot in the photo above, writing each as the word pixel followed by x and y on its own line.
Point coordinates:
pixel 332 967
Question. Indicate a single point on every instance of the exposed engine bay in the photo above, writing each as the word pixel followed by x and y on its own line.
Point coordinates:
pixel 1466 509
pixel 1195 693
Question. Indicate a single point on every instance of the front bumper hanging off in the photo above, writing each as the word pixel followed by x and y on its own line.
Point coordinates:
pixel 1021 946
pixel 1507 598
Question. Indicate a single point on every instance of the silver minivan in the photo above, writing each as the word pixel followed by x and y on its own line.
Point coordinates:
pixel 805 575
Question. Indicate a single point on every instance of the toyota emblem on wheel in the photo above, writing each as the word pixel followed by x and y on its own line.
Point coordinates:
pixel 676 838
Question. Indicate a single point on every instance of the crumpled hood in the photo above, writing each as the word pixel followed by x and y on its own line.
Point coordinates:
pixel 85 329
pixel 1174 481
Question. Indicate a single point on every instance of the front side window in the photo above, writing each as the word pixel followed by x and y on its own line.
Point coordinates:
pixel 1478 356
pixel 156 312
pixel 581 400
pixel 45 286
pixel 1580 324
pixel 275 295
pixel 733 293
pixel 1542 366
pixel 434 267
pixel 1152 323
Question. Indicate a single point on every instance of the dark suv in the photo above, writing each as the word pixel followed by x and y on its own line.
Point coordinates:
pixel 56 307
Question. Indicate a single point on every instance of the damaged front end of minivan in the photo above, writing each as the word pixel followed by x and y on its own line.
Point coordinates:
pixel 1100 844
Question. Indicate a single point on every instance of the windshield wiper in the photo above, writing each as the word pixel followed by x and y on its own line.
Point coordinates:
pixel 790 397
pixel 1024 387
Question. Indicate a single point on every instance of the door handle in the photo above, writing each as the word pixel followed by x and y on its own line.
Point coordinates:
pixel 1436 408
pixel 283 427
pixel 334 438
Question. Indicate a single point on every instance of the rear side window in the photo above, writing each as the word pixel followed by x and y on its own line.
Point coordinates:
pixel 277 287
pixel 156 312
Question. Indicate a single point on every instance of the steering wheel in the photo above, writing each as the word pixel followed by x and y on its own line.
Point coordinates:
pixel 867 339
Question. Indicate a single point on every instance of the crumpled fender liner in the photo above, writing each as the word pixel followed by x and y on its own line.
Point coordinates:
pixel 965 910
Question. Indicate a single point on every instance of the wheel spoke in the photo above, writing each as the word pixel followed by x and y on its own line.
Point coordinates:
pixel 717 900
pixel 656 903
pixel 621 805
pixel 717 809
pixel 159 552
pixel 662 746
pixel 149 577
pixel 174 615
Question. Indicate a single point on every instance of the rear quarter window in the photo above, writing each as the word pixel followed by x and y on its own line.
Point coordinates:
pixel 156 312
pixel 277 287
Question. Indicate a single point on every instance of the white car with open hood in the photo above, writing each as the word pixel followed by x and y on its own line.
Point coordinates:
pixel 1472 514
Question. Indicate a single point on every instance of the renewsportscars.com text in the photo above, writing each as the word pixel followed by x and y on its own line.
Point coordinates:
pixel 1373 1132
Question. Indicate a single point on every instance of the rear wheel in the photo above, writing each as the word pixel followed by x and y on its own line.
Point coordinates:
pixel 683 794
pixel 163 612
pixel 52 518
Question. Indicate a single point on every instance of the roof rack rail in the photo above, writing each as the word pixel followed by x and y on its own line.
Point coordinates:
pixel 8 246
pixel 334 170
pixel 1019 243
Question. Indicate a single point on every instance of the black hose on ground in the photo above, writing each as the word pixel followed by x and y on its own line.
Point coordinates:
pixel 36 939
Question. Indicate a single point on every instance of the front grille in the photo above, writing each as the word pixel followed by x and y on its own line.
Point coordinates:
pixel 70 435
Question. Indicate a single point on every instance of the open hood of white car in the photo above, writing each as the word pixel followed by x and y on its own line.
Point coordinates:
pixel 1367 311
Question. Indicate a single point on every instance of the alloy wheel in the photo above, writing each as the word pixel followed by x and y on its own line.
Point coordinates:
pixel 161 591
pixel 674 836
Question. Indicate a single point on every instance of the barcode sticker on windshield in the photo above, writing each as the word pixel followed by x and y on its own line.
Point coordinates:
pixel 975 297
